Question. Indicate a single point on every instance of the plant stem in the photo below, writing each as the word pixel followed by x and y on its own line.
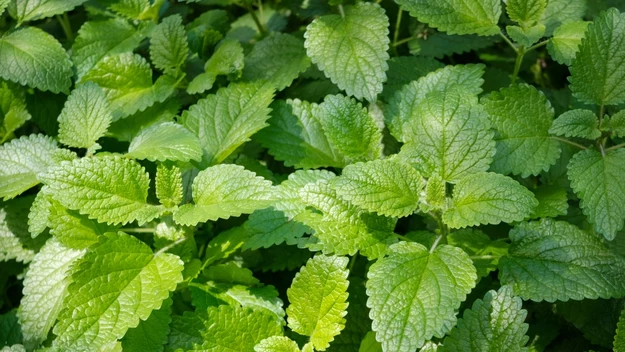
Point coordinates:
pixel 341 11
pixel 536 46
pixel 352 262
pixel 67 28
pixel 484 257
pixel 601 113
pixel 260 11
pixel 402 41
pixel 508 41
pixel 517 64
pixel 171 245
pixel 436 241
pixel 615 147
pixel 259 24
pixel 402 237
pixel 397 25
pixel 139 230
pixel 564 140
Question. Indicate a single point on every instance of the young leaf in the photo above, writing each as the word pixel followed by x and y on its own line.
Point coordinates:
pixel 318 297
pixel 277 344
pixel 413 294
pixel 449 135
pixel 222 191
pixel 522 116
pixel 525 12
pixel 34 58
pixel 488 198
pixel 225 120
pixel 484 252
pixel 115 285
pixel 110 189
pixel 566 40
pixel 598 180
pixel 617 124
pixel 493 324
pixel 554 260
pixel 526 36
pixel 133 9
pixel 168 185
pixel 577 123
pixel 227 59
pixel 597 72
pixel 31 10
pixel 13 112
pixel 295 135
pixel 45 288
pixel 388 187
pixel 168 46
pixel 456 16
pixel 85 117
pixel 357 40
pixel 150 334
pixel 276 60
pixel 165 141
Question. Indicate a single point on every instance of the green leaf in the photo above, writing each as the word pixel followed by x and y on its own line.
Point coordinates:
pixel 225 120
pixel 34 58
pixel 619 339
pixel 525 12
pixel 227 59
pixel 10 332
pixel 45 288
pixel 168 46
pixel 134 9
pixel 522 116
pixel 110 189
pixel 356 40
pixel 413 294
pixel 598 180
pixel 276 60
pixel 440 44
pixel 357 324
pixel 577 123
pixel 99 39
pixel 15 241
pixel 277 344
pixel 230 273
pixel 597 319
pixel 493 324
pixel 404 69
pixel 30 10
pixel 554 260
pixel 370 344
pixel 349 127
pixel 449 135
pixel 566 40
pixel 288 192
pixel 13 113
pixel 38 214
pixel 617 124
pixel 559 12
pixel 85 117
pixel 526 36
pixel 552 201
pixel 488 198
pixel 484 252
pixel 387 187
pixel 3 5
pixel 270 227
pixel 165 141
pixel 150 334
pixel 295 135
pixel 318 297
pixel 222 191
pixel 111 293
pixel 168 185
pixel 455 16
pixel 597 71
pixel 125 130
pixel 21 160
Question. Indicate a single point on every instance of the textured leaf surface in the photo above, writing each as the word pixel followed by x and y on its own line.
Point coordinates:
pixel 597 71
pixel 522 116
pixel 168 45
pixel 488 198
pixel 413 294
pixel 619 339
pixel 440 44
pixel 270 227
pixel 566 40
pixel 150 334
pixel 225 120
pixel 576 123
pixel 318 297
pixel 110 189
pixel 222 191
pixel 30 10
pixel 115 285
pixel 15 240
pixel 617 124
pixel 493 324
pixel 552 201
pixel 525 12
pixel 227 59
pixel 165 141
pixel 34 58
pixel 554 260
pixel 558 12
pixel 526 36
pixel 386 187
pixel 277 344
pixel 168 185
pixel 599 182
pixel 457 16
pixel 352 49
pixel 484 252
pixel 404 69
pixel 13 112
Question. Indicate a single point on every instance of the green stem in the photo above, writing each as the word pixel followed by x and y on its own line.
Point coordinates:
pixel 564 140
pixel 517 64
pixel 67 27
pixel 473 257
pixel 397 25
pixel 601 113
pixel 139 230
pixel 402 237
pixel 536 46
pixel 341 11
pixel 615 147
pixel 260 11
pixel 352 262
pixel 259 24
pixel 402 41
pixel 508 41
pixel 171 245
pixel 436 241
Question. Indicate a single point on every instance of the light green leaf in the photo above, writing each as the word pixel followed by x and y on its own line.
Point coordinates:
pixel 277 344
pixel 45 288
pixel 318 297
pixel 72 229
pixel 526 36
pixel 566 40
pixel 168 185
pixel 405 102
pixel 110 189
pixel 227 59
pixel 493 324
pixel 554 260
pixel 125 130
pixel 552 201
pixel 488 198
pixel 525 12
pixel 370 344
pixel 357 40
pixel 404 69
pixel 276 60
pixel 168 46
pixel 349 127
pixel 30 10
pixel 357 323
pixel 295 135
pixel 85 116
pixel 441 44
pixel 449 135
pixel 270 227
pixel 165 141
pixel 457 16
pixel 134 9
pixel 21 160
pixel 15 241
pixel 225 120
pixel 597 71
pixel 387 187
pixel 617 124
pixel 522 116
pixel 289 200
pixel 38 214
pixel 576 123
pixel 111 293
pixel 150 334
pixel 13 113
pixel 222 191
pixel 619 339
pixel 413 294
pixel 230 273
pixel 34 58
pixel 3 5
pixel 484 252
pixel 599 181
pixel 559 12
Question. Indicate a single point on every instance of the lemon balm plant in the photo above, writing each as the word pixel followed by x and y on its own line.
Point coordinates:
pixel 233 175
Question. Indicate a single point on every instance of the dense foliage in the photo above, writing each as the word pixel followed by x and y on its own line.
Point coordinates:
pixel 311 175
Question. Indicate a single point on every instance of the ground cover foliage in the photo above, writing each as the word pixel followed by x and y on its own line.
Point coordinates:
pixel 286 175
